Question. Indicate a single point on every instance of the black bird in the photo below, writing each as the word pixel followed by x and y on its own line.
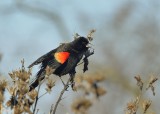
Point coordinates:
pixel 63 59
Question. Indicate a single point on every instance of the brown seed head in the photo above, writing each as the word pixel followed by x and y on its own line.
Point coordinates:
pixel 139 82
pixel 81 105
pixel 146 104
pixel 33 94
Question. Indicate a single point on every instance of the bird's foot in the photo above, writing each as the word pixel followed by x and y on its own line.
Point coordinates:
pixel 73 86
pixel 67 86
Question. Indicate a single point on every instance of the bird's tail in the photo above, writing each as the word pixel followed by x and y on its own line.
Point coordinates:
pixel 40 76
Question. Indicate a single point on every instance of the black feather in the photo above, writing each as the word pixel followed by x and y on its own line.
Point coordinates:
pixel 77 49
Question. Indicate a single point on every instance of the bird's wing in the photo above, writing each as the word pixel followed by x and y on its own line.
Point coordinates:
pixel 42 58
pixel 59 55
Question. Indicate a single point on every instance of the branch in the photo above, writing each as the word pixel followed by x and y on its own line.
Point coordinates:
pixel 42 95
pixel 53 110
pixel 36 100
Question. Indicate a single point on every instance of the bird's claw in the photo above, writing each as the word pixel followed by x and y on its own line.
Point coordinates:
pixel 72 85
pixel 67 86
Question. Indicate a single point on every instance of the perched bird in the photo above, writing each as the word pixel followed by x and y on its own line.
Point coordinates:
pixel 63 59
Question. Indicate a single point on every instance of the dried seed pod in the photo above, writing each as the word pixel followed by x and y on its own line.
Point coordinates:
pixel 146 104
pixel 81 105
pixel 139 82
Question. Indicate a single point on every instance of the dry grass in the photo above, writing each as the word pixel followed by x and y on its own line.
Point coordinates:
pixel 134 106
pixel 23 101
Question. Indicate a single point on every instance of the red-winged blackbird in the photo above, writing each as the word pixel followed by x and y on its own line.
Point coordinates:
pixel 63 59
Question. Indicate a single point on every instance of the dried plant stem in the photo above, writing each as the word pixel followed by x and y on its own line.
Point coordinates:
pixel 138 102
pixel 42 95
pixel 61 94
pixel 51 109
pixel 37 98
pixel 37 111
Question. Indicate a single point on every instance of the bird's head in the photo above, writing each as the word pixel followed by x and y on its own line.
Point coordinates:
pixel 81 43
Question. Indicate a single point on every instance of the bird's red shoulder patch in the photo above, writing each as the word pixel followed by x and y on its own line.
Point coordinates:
pixel 61 57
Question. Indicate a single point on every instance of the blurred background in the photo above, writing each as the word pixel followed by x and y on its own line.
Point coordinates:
pixel 126 43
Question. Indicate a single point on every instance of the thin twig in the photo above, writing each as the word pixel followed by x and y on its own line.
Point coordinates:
pixel 51 109
pixel 138 102
pixel 42 95
pixel 37 98
pixel 37 111
pixel 61 94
